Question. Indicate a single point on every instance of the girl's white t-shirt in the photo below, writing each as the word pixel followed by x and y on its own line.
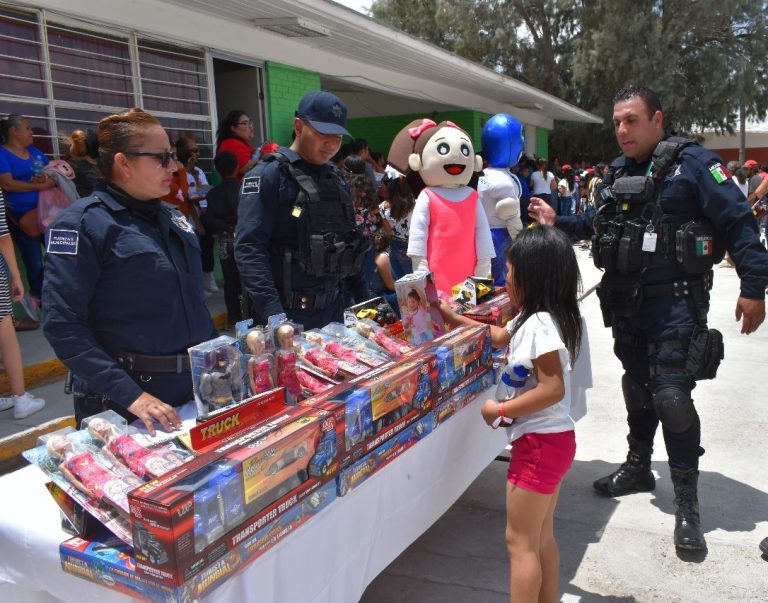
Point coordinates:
pixel 541 186
pixel 537 336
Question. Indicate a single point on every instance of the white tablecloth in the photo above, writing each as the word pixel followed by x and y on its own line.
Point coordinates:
pixel 331 559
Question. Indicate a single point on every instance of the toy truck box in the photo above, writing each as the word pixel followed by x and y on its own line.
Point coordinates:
pixel 462 396
pixel 355 474
pixel 380 404
pixel 461 354
pixel 497 311
pixel 110 562
pixel 190 518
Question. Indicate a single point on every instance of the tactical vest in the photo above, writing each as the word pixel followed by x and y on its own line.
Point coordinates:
pixel 632 232
pixel 328 242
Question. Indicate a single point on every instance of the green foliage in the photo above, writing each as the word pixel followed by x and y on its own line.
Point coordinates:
pixel 705 58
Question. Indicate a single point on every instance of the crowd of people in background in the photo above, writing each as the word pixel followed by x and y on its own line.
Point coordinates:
pixel 384 200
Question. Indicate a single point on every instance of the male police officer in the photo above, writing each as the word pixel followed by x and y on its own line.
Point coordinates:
pixel 297 242
pixel 668 212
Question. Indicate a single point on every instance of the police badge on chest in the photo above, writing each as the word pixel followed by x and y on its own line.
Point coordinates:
pixel 179 220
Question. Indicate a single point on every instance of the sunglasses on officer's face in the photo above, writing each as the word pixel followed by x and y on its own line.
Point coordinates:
pixel 164 158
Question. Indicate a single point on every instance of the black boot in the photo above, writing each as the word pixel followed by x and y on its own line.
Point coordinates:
pixel 633 476
pixel 688 534
pixel 764 547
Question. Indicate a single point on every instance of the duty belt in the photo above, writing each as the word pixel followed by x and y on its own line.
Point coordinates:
pixel 310 301
pixel 695 287
pixel 140 363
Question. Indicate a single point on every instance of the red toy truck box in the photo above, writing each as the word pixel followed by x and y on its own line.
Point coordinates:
pixel 186 520
pixel 497 311
pixel 381 403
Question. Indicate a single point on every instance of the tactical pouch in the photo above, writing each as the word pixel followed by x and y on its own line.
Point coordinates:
pixel 705 352
pixel 633 189
pixel 622 298
pixel 695 247
pixel 607 252
pixel 631 258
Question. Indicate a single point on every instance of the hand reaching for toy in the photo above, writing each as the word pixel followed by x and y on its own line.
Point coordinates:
pixel 150 409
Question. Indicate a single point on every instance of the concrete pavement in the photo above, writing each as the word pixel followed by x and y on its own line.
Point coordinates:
pixel 621 549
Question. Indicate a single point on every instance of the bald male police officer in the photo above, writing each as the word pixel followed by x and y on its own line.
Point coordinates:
pixel 668 213
pixel 298 246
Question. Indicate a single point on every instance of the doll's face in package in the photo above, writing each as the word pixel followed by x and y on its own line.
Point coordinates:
pixel 448 159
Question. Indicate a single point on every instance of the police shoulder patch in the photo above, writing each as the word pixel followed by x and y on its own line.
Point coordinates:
pixel 62 241
pixel 719 173
pixel 251 184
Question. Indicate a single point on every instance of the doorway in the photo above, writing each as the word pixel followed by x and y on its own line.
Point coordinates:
pixel 240 86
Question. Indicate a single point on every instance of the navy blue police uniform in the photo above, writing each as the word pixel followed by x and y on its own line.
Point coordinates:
pixel 123 300
pixel 663 303
pixel 270 250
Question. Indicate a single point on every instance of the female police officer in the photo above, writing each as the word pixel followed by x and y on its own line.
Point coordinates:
pixel 123 294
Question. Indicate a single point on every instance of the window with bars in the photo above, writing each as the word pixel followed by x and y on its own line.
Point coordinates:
pixel 96 73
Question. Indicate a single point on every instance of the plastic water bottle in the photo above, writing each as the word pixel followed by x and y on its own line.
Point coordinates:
pixel 512 379
pixel 37 165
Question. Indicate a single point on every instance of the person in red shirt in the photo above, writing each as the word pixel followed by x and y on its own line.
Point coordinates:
pixel 235 135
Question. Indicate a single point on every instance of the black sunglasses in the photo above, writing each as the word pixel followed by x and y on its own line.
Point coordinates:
pixel 164 158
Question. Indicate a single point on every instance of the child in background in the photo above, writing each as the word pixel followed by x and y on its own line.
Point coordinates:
pixel 23 403
pixel 545 338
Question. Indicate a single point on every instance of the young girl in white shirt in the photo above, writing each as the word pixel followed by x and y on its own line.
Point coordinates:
pixel 544 340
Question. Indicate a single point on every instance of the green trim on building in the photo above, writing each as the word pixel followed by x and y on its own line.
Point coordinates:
pixel 285 86
pixel 542 142
pixel 379 131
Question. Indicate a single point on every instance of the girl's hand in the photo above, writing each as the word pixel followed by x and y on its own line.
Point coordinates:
pixel 490 411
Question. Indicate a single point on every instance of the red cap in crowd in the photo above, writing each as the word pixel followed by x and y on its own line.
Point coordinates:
pixel 750 163
pixel 566 167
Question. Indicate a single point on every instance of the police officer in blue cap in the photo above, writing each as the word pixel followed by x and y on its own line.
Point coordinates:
pixel 298 247
pixel 667 213
pixel 123 290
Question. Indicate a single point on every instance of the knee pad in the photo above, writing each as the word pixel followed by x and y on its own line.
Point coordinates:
pixel 674 408
pixel 636 397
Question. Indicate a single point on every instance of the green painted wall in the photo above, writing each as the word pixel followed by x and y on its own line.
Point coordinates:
pixel 285 87
pixel 379 131
pixel 542 143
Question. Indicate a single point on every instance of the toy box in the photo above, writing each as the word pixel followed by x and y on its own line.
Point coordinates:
pixel 415 295
pixel 497 311
pixel 110 563
pixel 380 404
pixel 473 291
pixel 216 373
pixel 355 474
pixel 378 310
pixel 461 354
pixel 190 518
pixel 463 395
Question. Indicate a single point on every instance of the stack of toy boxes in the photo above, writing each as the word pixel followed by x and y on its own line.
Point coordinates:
pixel 497 311
pixel 464 358
pixel 189 518
pixel 380 404
pixel 110 562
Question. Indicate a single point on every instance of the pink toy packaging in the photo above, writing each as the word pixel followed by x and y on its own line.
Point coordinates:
pixel 421 321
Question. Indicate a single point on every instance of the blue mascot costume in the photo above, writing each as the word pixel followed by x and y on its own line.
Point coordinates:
pixel 499 189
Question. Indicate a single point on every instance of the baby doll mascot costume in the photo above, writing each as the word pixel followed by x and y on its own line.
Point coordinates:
pixel 449 233
pixel 499 189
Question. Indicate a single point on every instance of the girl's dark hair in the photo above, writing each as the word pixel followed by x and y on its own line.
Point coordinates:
pixel 120 133
pixel 570 177
pixel 415 295
pixel 547 279
pixel 225 164
pixel 182 150
pixel 9 121
pixel 225 126
pixel 355 164
pixel 381 241
pixel 401 198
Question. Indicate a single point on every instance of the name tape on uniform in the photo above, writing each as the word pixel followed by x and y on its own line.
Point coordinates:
pixel 62 241
pixel 252 184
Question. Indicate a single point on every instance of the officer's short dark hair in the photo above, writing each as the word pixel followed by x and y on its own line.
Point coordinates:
pixel 225 164
pixel 648 96
pixel 119 133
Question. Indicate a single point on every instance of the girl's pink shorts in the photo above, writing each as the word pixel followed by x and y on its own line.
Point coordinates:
pixel 539 461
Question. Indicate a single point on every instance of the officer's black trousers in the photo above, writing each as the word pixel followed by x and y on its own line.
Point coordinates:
pixel 652 347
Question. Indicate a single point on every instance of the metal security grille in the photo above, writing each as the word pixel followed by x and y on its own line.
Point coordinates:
pixel 63 74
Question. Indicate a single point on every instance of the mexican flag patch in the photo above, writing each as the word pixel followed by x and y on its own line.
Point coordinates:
pixel 719 173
